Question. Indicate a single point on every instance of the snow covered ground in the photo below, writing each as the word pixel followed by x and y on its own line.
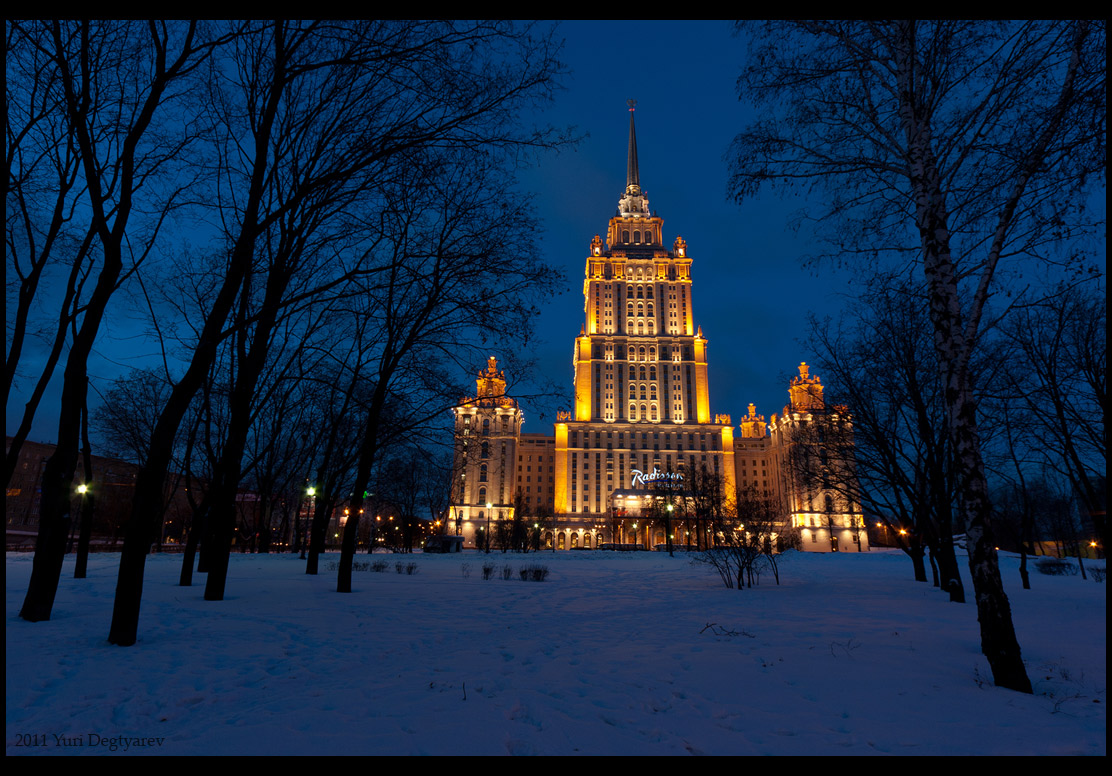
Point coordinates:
pixel 612 654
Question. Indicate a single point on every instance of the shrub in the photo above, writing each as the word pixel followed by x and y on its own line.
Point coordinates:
pixel 411 568
pixel 1098 573
pixel 399 567
pixel 523 572
pixel 488 570
pixel 507 572
pixel 378 566
pixel 465 569
pixel 538 573
pixel 1056 567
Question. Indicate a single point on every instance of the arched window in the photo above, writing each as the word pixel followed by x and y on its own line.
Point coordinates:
pixel 625 235
pixel 632 411
pixel 640 292
pixel 652 391
pixel 641 353
pixel 640 309
pixel 643 391
pixel 636 236
pixel 650 309
pixel 482 498
pixel 828 503
pixel 652 372
pixel 640 327
pixel 654 412
pixel 643 373
pixel 652 327
pixel 632 353
pixel 644 413
pixel 485 452
pixel 486 425
pixel 483 473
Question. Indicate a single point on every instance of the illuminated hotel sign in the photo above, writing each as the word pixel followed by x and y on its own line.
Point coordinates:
pixel 656 475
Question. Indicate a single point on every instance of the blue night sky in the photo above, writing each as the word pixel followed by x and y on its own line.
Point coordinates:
pixel 751 292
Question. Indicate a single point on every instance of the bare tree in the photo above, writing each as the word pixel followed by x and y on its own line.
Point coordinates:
pixel 327 114
pixel 461 273
pixel 48 236
pixel 894 448
pixel 116 79
pixel 980 138
pixel 1059 383
pixel 745 535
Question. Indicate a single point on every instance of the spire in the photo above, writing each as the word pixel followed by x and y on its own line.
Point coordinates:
pixel 634 202
pixel 633 182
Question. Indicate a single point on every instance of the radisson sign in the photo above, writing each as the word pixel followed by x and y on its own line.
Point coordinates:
pixel 656 475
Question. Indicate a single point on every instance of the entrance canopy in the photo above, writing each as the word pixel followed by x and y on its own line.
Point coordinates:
pixel 638 503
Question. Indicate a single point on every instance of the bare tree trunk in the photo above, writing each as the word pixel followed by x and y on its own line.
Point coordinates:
pixel 998 640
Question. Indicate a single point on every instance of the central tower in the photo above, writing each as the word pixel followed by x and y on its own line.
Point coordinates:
pixel 642 401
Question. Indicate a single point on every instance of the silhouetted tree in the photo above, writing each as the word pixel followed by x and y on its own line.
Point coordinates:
pixel 980 138
pixel 117 81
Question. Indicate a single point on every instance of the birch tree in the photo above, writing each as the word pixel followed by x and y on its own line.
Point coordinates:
pixel 967 148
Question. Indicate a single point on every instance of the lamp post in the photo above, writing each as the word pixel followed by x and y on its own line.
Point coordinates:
pixel 486 536
pixel 84 534
pixel 311 492
pixel 668 530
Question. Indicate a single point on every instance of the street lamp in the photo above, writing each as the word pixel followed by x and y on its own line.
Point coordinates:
pixel 311 492
pixel 486 536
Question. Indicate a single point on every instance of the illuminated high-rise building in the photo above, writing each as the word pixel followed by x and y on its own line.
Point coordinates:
pixel 641 428
pixel 642 395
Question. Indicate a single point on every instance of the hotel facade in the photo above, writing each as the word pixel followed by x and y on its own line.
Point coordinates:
pixel 641 429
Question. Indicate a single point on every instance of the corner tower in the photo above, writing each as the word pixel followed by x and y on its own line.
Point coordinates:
pixel 487 432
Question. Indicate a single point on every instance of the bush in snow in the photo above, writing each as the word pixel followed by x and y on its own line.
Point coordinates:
pixel 1055 567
